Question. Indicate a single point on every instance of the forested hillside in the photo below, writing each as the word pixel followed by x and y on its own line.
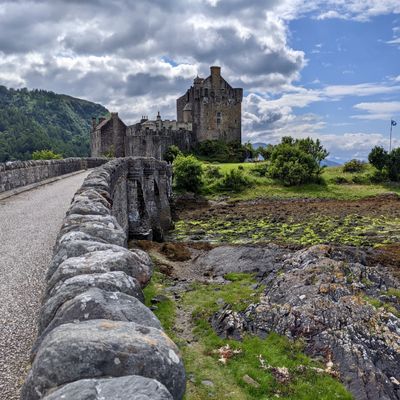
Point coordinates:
pixel 37 119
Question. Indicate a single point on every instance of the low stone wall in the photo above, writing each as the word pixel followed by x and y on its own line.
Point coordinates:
pixel 95 334
pixel 15 174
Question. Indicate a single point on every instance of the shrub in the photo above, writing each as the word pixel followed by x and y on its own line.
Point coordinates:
pixel 379 176
pixel 393 165
pixel 340 180
pixel 292 166
pixel 171 153
pixel 212 172
pixel 260 169
pixel 219 151
pixel 187 173
pixel 110 153
pixel 265 152
pixel 354 166
pixel 235 180
pixel 361 180
pixel 45 155
pixel 378 157
pixel 241 167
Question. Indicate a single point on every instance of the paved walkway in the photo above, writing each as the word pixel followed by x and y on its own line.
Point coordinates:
pixel 29 223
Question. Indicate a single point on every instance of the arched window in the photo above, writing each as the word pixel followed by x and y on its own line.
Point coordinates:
pixel 219 118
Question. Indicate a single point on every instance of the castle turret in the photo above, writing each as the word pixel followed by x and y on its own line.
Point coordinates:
pixel 215 77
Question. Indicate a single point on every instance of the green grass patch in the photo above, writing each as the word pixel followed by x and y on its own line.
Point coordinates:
pixel 352 230
pixel 335 184
pixel 209 378
pixel 165 309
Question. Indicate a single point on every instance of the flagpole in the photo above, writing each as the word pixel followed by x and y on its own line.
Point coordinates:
pixel 390 142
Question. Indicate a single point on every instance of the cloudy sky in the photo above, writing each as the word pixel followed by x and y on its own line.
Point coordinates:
pixel 327 69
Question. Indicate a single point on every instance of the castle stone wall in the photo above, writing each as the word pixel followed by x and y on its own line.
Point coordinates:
pixel 15 174
pixel 93 323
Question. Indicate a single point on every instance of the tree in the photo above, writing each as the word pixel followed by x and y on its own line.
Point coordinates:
pixel 354 166
pixel 295 162
pixel 188 173
pixel 45 155
pixel 378 157
pixel 266 151
pixel 171 153
pixel 393 165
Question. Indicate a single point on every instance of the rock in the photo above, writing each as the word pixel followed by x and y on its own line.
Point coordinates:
pixel 134 263
pixel 315 298
pixel 124 388
pixel 99 304
pixel 251 259
pixel 104 227
pixel 250 381
pixel 99 348
pixel 111 282
pixel 75 244
pixel 208 383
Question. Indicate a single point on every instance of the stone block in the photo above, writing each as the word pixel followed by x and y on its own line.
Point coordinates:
pixel 100 348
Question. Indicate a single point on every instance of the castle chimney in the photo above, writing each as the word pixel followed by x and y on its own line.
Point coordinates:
pixel 114 115
pixel 215 76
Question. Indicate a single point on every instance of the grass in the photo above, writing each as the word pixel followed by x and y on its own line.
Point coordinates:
pixel 208 378
pixel 353 229
pixel 263 187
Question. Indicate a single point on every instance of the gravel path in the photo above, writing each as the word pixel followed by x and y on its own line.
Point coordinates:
pixel 29 223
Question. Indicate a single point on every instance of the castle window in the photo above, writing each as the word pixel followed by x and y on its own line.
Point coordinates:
pixel 205 92
pixel 188 96
pixel 219 118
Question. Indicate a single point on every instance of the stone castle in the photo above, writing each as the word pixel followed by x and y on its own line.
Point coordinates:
pixel 209 110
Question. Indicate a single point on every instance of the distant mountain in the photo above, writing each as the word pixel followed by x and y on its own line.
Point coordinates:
pixel 258 144
pixel 330 163
pixel 38 119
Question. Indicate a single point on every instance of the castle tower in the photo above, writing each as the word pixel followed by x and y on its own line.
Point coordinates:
pixel 214 106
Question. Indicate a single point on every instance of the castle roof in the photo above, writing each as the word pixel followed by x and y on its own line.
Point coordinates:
pixel 103 123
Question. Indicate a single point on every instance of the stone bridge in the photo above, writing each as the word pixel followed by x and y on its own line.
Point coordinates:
pixel 94 333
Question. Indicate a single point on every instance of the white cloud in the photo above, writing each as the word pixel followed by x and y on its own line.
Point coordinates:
pixel 378 110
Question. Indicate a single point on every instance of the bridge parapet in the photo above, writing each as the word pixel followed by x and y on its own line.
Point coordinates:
pixel 95 333
pixel 15 174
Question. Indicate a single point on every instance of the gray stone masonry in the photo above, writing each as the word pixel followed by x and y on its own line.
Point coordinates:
pixel 95 333
pixel 15 174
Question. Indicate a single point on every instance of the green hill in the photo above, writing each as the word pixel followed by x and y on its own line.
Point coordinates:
pixel 38 119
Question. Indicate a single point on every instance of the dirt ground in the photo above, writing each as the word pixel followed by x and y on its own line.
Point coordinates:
pixel 387 205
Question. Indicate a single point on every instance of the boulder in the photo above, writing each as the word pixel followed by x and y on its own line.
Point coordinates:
pixel 320 295
pixel 99 304
pixel 124 388
pixel 102 348
pixel 75 244
pixel 134 263
pixel 116 281
pixel 243 259
pixel 104 227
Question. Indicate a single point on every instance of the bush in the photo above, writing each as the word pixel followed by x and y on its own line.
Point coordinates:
pixel 378 157
pixel 393 165
pixel 212 172
pixel 188 173
pixel 340 180
pixel 379 176
pixel 260 169
pixel 171 153
pixel 220 151
pixel 235 180
pixel 45 155
pixel 361 180
pixel 354 166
